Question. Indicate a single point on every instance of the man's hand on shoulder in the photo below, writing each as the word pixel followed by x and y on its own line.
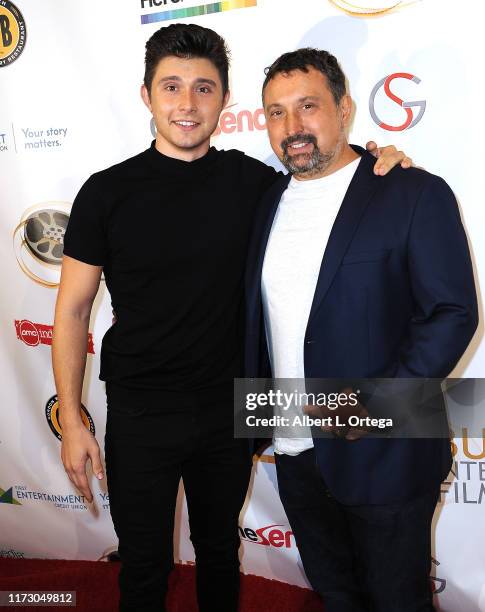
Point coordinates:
pixel 387 158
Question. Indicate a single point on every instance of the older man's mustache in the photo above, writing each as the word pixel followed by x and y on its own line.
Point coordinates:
pixel 307 138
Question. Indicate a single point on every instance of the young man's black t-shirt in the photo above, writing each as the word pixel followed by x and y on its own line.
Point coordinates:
pixel 172 238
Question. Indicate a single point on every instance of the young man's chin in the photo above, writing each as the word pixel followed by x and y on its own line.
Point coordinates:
pixel 192 141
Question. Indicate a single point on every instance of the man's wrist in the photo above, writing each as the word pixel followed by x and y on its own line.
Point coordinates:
pixel 70 419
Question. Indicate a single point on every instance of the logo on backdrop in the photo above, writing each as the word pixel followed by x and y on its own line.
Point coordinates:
pixel 233 121
pixel 64 501
pixel 11 554
pixel 39 241
pixel 52 416
pixel 367 8
pixel 13 33
pixel 6 497
pixel 438 585
pixel 3 141
pixel 239 121
pixel 466 481
pixel 33 334
pixel 110 554
pixel 412 118
pixel 170 9
pixel 270 535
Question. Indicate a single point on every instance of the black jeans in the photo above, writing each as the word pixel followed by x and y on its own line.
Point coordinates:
pixel 359 558
pixel 152 440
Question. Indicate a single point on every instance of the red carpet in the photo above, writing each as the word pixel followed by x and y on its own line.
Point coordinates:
pixel 96 586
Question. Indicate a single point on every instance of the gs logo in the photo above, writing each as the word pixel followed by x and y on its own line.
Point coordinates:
pixel 13 33
pixel 411 120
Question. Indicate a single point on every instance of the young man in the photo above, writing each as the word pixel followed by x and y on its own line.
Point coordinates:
pixel 350 277
pixel 170 358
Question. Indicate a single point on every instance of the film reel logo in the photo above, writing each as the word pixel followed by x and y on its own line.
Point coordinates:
pixel 369 8
pixel 13 33
pixel 39 242
pixel 52 416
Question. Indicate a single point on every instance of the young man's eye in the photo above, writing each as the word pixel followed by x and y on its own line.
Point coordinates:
pixel 204 89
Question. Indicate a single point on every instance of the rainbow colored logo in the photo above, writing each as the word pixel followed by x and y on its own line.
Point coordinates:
pixel 196 11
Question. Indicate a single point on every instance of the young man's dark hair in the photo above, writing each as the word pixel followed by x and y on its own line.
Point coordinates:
pixel 187 41
pixel 302 59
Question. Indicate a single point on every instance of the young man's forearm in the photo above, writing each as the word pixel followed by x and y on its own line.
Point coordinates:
pixel 69 348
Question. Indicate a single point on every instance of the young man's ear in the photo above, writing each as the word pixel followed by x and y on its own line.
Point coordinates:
pixel 225 101
pixel 145 96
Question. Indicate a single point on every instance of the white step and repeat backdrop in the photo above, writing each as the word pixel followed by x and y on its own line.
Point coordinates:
pixel 70 74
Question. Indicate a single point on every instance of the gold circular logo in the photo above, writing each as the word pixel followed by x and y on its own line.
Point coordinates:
pixel 52 416
pixel 13 33
pixel 365 8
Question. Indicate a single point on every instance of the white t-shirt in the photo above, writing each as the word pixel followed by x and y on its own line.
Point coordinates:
pixel 299 235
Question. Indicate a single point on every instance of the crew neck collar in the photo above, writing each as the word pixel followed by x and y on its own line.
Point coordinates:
pixel 180 167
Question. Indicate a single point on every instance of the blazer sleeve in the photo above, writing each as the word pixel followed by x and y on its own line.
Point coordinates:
pixel 446 312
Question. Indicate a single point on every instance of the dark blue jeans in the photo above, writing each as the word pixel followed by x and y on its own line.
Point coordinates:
pixel 153 439
pixel 359 558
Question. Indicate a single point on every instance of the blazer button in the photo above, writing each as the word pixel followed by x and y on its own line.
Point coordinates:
pixel 310 341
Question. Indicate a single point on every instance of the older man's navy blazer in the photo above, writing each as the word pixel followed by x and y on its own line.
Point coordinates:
pixel 395 297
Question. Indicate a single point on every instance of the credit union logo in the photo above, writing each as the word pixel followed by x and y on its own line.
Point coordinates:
pixel 6 497
pixel 412 116
pixel 13 33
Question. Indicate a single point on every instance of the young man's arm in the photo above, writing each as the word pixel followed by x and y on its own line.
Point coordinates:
pixel 387 158
pixel 78 288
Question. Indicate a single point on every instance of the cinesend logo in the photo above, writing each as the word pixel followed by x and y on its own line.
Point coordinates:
pixel 13 33
pixel 268 536
pixel 244 120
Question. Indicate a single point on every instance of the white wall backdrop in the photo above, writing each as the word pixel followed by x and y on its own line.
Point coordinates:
pixel 70 106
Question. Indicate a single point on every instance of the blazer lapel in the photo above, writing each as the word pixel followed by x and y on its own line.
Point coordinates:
pixel 354 204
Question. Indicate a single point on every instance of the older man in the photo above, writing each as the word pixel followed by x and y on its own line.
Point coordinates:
pixel 353 277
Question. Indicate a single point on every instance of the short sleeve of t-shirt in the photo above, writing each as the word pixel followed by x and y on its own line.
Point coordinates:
pixel 85 238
